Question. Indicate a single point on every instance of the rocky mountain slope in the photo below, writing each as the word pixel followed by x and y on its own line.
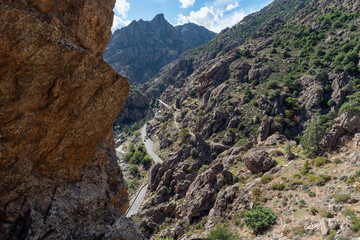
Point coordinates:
pixel 60 178
pixel 141 49
pixel 266 114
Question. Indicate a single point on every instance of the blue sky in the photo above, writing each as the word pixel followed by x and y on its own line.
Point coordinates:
pixel 212 14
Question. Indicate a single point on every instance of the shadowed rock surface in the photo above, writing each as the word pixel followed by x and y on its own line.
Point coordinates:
pixel 59 174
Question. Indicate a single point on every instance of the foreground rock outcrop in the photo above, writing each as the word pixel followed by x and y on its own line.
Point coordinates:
pixel 58 171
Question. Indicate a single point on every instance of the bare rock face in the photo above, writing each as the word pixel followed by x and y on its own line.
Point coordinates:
pixel 339 81
pixel 345 125
pixel 58 171
pixel 200 197
pixel 258 72
pixel 264 129
pixel 311 94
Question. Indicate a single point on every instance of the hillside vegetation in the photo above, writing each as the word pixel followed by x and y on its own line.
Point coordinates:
pixel 262 137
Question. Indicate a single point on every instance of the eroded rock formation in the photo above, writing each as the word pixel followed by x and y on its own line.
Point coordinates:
pixel 58 100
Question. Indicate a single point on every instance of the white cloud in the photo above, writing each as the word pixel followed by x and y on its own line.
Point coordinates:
pixel 232 6
pixel 187 3
pixel 219 3
pixel 122 7
pixel 119 23
pixel 212 19
pixel 204 17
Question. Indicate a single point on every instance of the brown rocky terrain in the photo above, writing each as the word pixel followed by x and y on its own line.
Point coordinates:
pixel 59 175
pixel 241 109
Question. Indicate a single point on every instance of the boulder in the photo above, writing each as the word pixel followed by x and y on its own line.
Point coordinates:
pixel 242 71
pixel 228 138
pixel 258 160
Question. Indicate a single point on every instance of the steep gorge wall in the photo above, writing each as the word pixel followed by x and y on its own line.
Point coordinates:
pixel 58 100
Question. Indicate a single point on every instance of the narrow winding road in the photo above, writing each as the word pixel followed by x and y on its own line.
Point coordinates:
pixel 135 206
pixel 166 105
pixel 149 145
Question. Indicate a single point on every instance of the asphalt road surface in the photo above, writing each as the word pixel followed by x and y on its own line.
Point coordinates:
pixel 149 145
pixel 136 204
pixel 138 201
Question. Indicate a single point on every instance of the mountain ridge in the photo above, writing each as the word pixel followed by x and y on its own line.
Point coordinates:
pixel 139 50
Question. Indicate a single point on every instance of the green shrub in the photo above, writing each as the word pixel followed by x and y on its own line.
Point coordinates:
pixel 128 156
pixel 266 179
pixel 346 47
pixel 203 168
pixel 353 105
pixel 305 169
pixel 200 113
pixel 278 186
pixel 137 157
pixel 342 198
pixel 337 161
pixel 325 177
pixel 256 193
pixel 351 68
pixel 331 235
pixel 146 161
pixel 327 215
pixel 222 233
pixel 355 224
pixel 259 219
pixel 131 147
pixel 133 184
pixel 272 84
pixel 194 153
pixel 348 212
pixel 314 211
pixel 315 179
pixel 184 135
pixel 192 93
pixel 246 53
pixel 133 169
pixel 331 103
pixel 237 219
pixel 320 161
pixel 230 108
pixel 285 54
pixel 295 182
pixel 299 231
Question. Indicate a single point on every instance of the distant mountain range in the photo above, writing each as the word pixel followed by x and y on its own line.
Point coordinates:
pixel 141 49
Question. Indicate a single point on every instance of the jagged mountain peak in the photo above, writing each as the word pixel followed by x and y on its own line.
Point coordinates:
pixel 159 18
pixel 141 49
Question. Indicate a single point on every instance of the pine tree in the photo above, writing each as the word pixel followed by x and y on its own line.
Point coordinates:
pixel 314 132
pixel 127 130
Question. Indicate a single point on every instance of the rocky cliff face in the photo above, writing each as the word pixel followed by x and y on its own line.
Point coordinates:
pixel 59 174
pixel 141 49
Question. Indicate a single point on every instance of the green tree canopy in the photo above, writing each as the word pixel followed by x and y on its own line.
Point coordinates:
pixel 353 105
